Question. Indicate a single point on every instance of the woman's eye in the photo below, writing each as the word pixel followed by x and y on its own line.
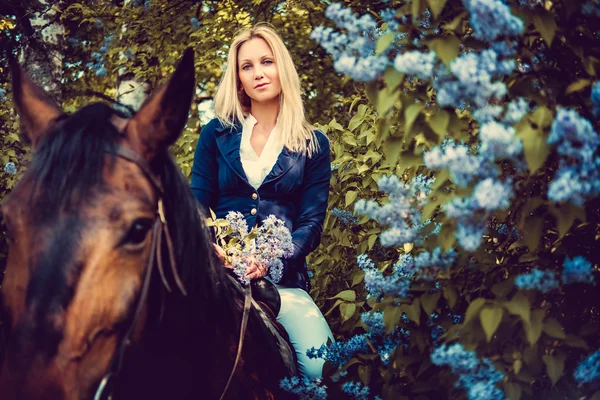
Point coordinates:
pixel 246 67
pixel 138 231
pixel 268 62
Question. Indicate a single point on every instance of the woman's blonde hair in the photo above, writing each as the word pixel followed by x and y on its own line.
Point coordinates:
pixel 231 104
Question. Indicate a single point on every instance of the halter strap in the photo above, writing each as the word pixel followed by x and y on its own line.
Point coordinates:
pixel 159 229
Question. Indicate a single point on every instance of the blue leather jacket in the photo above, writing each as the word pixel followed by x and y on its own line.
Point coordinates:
pixel 295 191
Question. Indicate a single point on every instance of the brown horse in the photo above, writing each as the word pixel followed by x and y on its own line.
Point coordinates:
pixel 85 276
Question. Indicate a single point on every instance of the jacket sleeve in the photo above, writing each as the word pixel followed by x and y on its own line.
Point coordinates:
pixel 204 169
pixel 312 201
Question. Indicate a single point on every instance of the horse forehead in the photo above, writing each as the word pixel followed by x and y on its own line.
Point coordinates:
pixel 126 179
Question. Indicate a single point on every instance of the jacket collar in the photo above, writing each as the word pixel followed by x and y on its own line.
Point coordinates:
pixel 228 142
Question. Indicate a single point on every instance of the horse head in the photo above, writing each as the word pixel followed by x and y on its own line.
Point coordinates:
pixel 80 231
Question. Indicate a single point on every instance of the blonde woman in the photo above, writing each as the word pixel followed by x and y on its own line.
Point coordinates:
pixel 260 157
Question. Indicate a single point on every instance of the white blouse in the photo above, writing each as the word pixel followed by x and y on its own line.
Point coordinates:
pixel 257 168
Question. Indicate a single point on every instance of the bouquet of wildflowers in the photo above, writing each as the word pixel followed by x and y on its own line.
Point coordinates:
pixel 266 244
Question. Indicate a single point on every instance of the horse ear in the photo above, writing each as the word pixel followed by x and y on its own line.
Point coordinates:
pixel 163 115
pixel 36 109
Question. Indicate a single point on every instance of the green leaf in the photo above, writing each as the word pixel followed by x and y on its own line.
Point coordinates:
pixel 553 328
pixel 439 122
pixel 542 117
pixel 534 328
pixel 534 227
pixel 358 277
pixel 384 42
pixel 578 85
pixel 436 6
pixel 346 295
pixel 386 99
pixel 473 309
pixel 545 24
pixel 490 320
pixel 520 305
pixel 447 48
pixel 410 114
pixel 450 295
pixel 555 365
pixel 393 148
pixel 371 241
pixel 512 390
pixel 392 77
pixel 391 317
pixel 413 311
pixel 364 373
pixel 355 122
pixel 347 310
pixel 535 146
pixel 350 197
pixel 415 9
pixel 429 301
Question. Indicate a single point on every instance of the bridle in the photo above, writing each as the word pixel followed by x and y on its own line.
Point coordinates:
pixel 160 231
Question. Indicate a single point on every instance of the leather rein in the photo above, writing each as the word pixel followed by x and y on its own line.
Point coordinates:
pixel 160 231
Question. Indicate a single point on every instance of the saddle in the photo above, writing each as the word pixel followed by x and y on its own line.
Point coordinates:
pixel 267 302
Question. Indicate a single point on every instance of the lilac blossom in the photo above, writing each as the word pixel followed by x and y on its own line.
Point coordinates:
pixel 577 270
pixel 541 280
pixel 477 376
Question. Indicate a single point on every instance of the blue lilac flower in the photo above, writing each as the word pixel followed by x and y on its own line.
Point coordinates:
pixel 401 213
pixel 463 166
pixel 195 23
pixel 530 3
pixel 491 19
pixel 487 113
pixel 576 183
pixel 385 343
pixel 238 223
pixel 428 264
pixel 491 195
pixel 470 234
pixel 595 96
pixel 574 135
pixel 379 285
pixel 470 79
pixel 505 49
pixel 273 243
pixel 477 376
pixel 356 389
pixel 591 8
pixel 354 51
pixel 345 217
pixel 339 353
pixel 544 281
pixel 10 168
pixel 416 63
pixel 588 371
pixel 499 141
pixel 389 17
pixel 577 270
pixel 2 94
pixel 516 111
pixel 576 141
pixel 305 388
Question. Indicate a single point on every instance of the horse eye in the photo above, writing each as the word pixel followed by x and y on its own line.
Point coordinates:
pixel 138 231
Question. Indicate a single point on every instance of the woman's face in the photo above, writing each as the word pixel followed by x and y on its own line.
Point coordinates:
pixel 258 72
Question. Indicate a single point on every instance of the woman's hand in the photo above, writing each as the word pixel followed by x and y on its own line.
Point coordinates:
pixel 222 255
pixel 255 271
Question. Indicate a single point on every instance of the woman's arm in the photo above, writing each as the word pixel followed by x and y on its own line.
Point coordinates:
pixel 308 228
pixel 205 170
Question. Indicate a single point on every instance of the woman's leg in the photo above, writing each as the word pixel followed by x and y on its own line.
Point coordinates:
pixel 306 327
